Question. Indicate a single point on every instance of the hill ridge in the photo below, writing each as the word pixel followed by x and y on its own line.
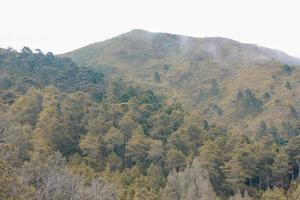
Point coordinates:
pixel 139 34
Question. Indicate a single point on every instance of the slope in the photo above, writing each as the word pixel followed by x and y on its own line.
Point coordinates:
pixel 205 74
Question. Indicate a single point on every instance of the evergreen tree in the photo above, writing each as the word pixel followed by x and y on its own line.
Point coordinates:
pixel 214 88
pixel 235 174
pixel 281 168
pixel 175 159
pixel 94 148
pixel 155 177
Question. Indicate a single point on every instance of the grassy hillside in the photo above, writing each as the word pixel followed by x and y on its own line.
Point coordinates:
pixel 203 73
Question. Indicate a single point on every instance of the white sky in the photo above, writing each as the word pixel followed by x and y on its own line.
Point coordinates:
pixel 63 25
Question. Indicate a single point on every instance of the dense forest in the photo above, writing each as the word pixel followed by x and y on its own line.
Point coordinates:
pixel 70 132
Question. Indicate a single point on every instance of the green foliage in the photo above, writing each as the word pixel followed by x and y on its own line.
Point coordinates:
pixel 262 130
pixel 114 162
pixel 156 76
pixel 155 177
pixel 214 89
pixel 248 103
pixel 27 69
pixel 67 134
pixel 288 85
pixel 175 159
pixel 287 69
pixel 136 142
pixel 5 82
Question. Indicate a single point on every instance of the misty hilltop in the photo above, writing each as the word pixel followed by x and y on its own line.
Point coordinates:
pixel 140 47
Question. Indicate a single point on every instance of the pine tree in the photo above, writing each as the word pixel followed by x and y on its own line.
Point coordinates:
pixel 175 159
pixel 235 174
pixel 94 148
pixel 155 177
pixel 281 167
pixel 137 147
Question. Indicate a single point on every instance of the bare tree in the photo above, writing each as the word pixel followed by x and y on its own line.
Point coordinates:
pixel 193 183
pixel 98 190
pixel 53 181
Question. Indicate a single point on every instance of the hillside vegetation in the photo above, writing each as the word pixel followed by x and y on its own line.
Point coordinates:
pixel 151 123
pixel 206 74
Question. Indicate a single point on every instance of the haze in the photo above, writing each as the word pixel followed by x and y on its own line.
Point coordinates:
pixel 62 26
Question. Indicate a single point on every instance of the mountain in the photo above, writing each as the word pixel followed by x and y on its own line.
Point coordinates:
pixel 205 74
pixel 140 47
pixel 154 116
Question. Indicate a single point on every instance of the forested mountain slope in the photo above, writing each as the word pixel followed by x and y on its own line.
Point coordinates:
pixel 77 132
pixel 239 85
pixel 21 71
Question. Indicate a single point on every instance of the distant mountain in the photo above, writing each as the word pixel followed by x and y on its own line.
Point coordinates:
pixel 140 47
pixel 205 74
